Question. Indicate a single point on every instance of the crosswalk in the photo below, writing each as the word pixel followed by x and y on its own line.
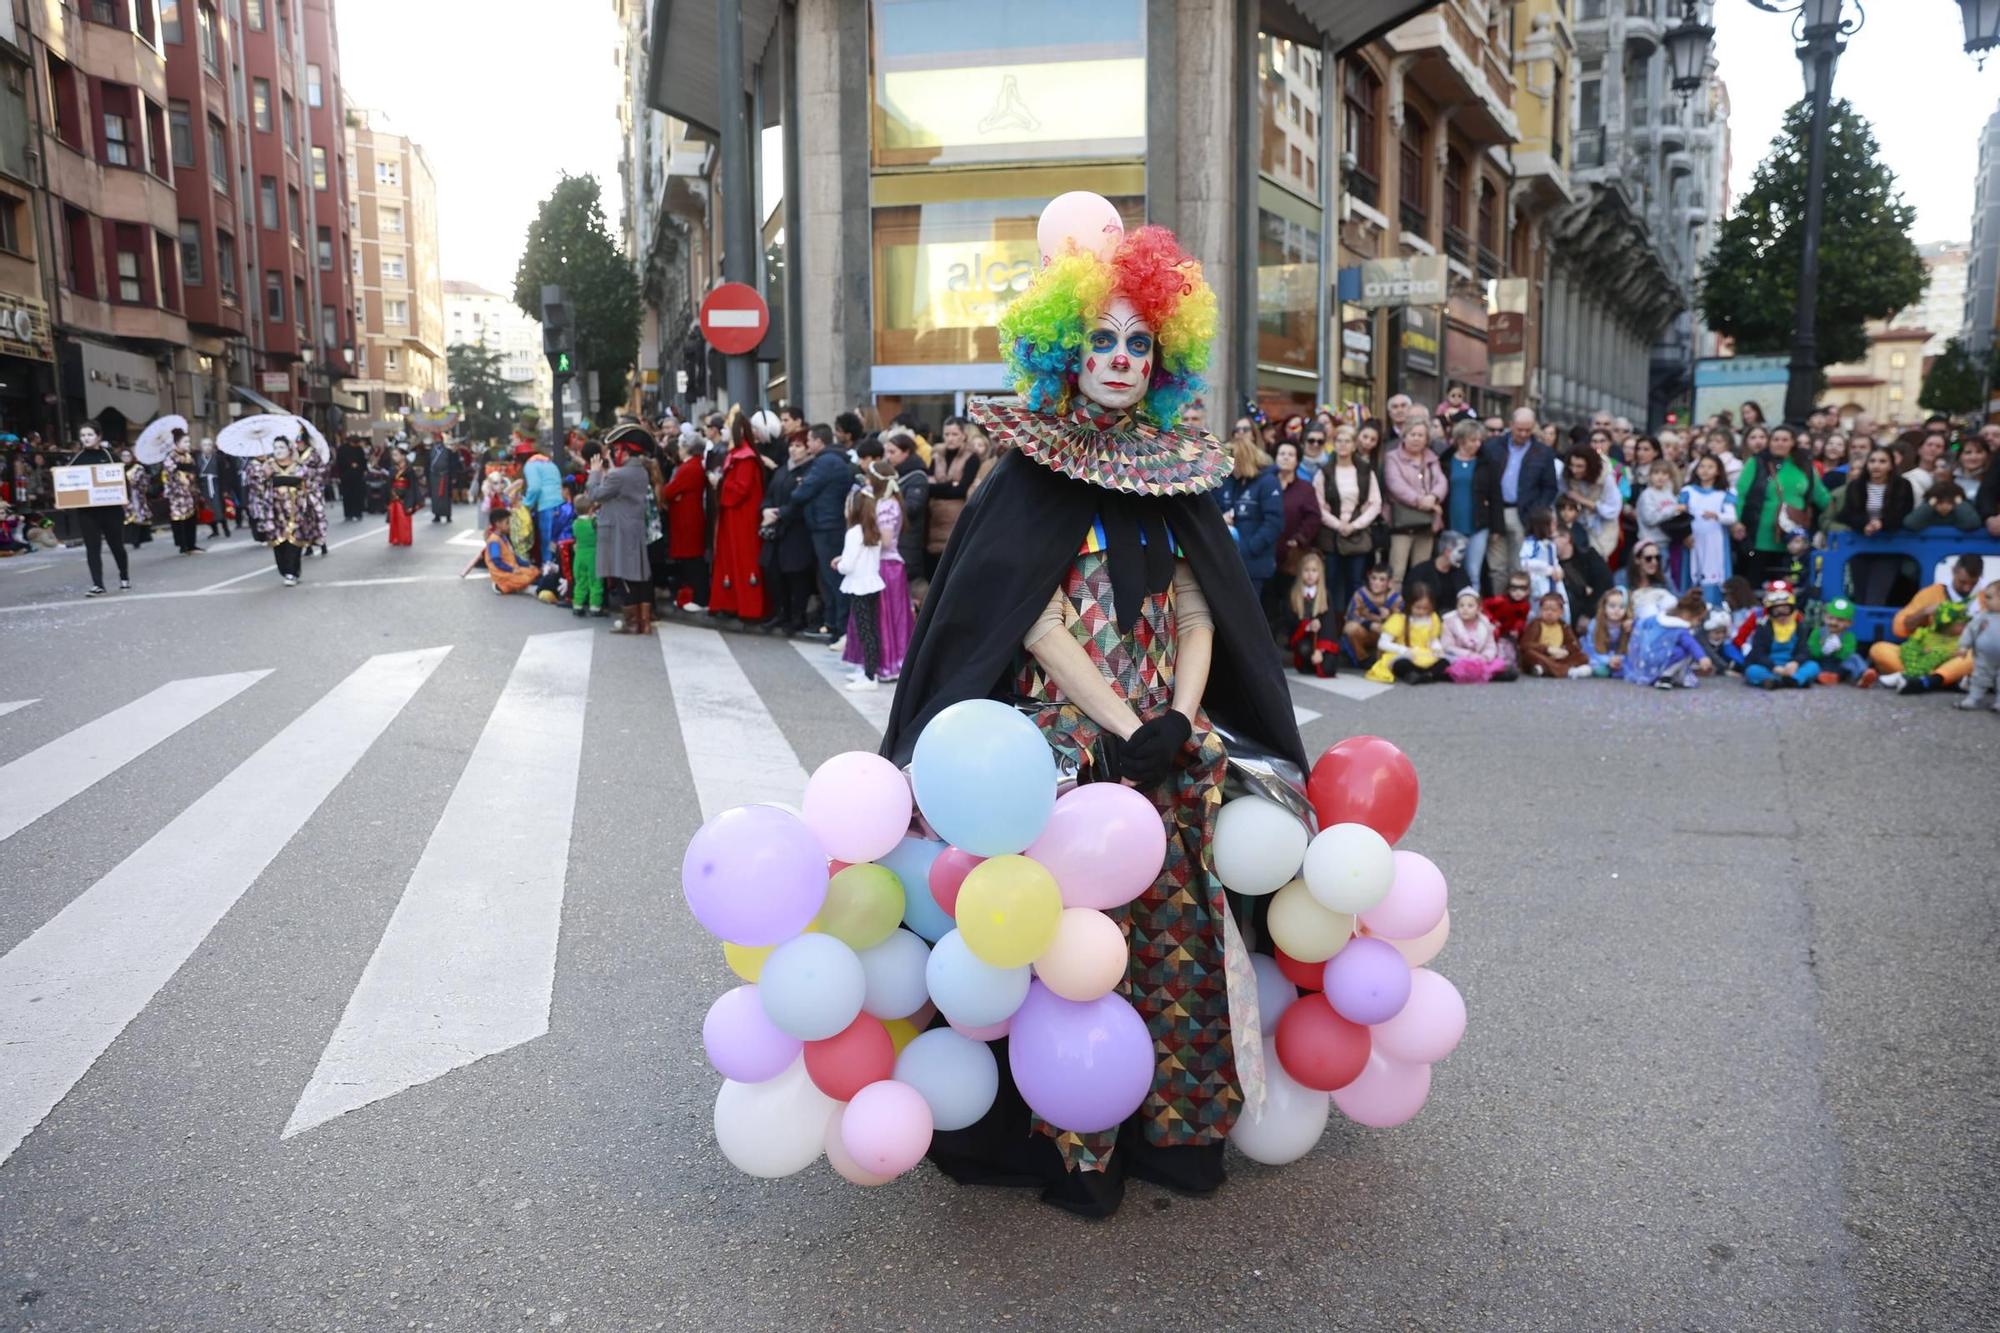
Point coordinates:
pixel 466 965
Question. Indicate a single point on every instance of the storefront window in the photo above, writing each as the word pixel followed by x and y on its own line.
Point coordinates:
pixel 1357 357
pixel 1287 292
pixel 945 270
pixel 1290 98
pixel 1030 80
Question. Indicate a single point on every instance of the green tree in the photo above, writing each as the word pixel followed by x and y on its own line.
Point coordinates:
pixel 1951 385
pixel 570 245
pixel 1868 269
pixel 485 399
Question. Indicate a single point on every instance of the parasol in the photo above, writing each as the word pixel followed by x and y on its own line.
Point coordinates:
pixel 252 437
pixel 157 440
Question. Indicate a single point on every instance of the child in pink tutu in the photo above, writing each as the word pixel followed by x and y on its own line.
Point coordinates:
pixel 894 618
pixel 1470 647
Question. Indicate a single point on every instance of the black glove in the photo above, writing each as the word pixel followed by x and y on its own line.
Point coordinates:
pixel 1148 754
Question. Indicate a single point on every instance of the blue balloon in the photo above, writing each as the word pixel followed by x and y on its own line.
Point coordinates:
pixel 910 861
pixel 812 987
pixel 1275 991
pixel 984 777
pixel 958 1076
pixel 969 992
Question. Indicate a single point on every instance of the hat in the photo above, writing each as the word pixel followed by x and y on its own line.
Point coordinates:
pixel 1717 619
pixel 1780 594
pixel 631 435
pixel 1839 607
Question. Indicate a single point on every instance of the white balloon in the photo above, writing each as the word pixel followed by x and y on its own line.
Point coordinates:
pixel 812 987
pixel 1349 868
pixel 1258 845
pixel 1304 929
pixel 774 1128
pixel 894 972
pixel 1290 1121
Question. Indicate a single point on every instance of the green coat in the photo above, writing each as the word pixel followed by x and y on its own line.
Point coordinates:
pixel 1797 486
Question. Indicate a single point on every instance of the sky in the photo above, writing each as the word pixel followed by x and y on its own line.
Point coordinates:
pixel 1905 71
pixel 503 96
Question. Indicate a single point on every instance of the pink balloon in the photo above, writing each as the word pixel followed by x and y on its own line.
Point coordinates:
pixel 886 1128
pixel 1087 219
pixel 1386 1094
pixel 1427 1028
pixel 1426 946
pixel 1104 843
pixel 988 1032
pixel 842 1160
pixel 948 874
pixel 1415 903
pixel 858 805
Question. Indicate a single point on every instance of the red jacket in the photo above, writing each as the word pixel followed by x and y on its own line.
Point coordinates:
pixel 681 497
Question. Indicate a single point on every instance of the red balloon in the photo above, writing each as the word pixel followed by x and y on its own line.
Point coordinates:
pixel 1306 976
pixel 851 1059
pixel 948 874
pixel 1318 1047
pixel 835 867
pixel 1365 780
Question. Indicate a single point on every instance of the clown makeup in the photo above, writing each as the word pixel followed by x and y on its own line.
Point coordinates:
pixel 1117 358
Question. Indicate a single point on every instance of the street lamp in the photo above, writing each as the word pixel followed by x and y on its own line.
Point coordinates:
pixel 1982 27
pixel 1687 44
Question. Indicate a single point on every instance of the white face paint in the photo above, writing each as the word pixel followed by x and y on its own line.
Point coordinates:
pixel 87 436
pixel 1118 355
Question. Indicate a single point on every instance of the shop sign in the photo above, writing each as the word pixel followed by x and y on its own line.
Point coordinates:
pixel 120 381
pixel 24 327
pixel 1420 341
pixel 274 381
pixel 1420 280
pixel 1507 333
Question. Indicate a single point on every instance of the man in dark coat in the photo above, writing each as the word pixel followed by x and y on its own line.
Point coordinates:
pixel 350 461
pixel 441 476
pixel 1522 478
pixel 819 500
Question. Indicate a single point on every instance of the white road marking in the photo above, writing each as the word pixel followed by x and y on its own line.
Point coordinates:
pixel 1350 686
pixel 19 566
pixel 69 989
pixel 382 582
pixel 470 537
pixel 116 599
pixel 873 705
pixel 16 706
pixel 1301 716
pixel 43 779
pixel 379 534
pixel 734 748
pixel 467 965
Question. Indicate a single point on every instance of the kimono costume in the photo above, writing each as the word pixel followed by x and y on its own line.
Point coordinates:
pixel 314 473
pixel 402 498
pixel 257 491
pixel 736 588
pixel 894 620
pixel 138 513
pixel 284 503
pixel 1106 521
pixel 178 480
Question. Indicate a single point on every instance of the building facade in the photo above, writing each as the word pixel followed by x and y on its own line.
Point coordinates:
pixel 1982 274
pixel 27 349
pixel 398 291
pixel 476 317
pixel 1885 385
pixel 1942 310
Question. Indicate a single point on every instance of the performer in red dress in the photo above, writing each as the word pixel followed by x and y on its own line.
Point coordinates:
pixel 737 586
pixel 402 499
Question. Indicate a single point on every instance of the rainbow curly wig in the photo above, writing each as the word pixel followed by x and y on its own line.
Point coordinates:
pixel 1042 333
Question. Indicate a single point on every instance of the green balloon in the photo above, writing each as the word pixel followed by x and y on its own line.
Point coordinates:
pixel 864 905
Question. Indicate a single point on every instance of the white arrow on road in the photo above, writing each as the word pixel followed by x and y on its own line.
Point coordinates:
pixel 467 965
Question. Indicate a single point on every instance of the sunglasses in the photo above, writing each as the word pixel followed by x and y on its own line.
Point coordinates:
pixel 1649 559
pixel 1315 439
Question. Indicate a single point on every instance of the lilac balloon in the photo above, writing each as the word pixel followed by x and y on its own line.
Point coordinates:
pixel 1368 981
pixel 754 875
pixel 1415 903
pixel 1081 1065
pixel 858 805
pixel 1386 1093
pixel 743 1044
pixel 1104 843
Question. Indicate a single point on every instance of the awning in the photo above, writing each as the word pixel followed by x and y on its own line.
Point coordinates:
pixel 122 381
pixel 1346 23
pixel 682 77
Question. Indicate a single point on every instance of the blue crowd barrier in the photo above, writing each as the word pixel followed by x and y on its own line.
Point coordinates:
pixel 1926 548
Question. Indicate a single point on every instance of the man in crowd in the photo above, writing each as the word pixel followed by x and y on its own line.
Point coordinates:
pixel 819 498
pixel 1524 471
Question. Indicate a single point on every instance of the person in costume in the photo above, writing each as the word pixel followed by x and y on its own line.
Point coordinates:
pixel 736 586
pixel 212 471
pixel 313 469
pixel 1093 582
pixel 138 507
pixel 403 491
pixel 351 466
pixel 1780 654
pixel 1929 627
pixel 100 522
pixel 893 618
pixel 183 493
pixel 279 492
pixel 619 489
pixel 503 565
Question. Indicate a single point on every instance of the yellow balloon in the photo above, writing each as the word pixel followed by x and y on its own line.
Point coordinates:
pixel 1304 929
pixel 747 960
pixel 1009 909
pixel 901 1032
pixel 864 905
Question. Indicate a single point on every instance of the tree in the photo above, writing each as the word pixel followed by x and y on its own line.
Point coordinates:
pixel 485 399
pixel 1951 385
pixel 1868 269
pixel 569 244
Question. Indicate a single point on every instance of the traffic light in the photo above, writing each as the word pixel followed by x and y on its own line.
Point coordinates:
pixel 558 331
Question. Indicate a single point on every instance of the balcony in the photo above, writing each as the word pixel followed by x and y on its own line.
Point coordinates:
pixel 1672 132
pixel 1592 152
pixel 1457 245
pixel 1414 220
pixel 1642 23
pixel 1455 66
pixel 1489 265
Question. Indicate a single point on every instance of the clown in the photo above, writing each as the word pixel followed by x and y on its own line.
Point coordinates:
pixel 1092 583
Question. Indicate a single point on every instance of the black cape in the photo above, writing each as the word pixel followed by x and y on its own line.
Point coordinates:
pixel 1011 549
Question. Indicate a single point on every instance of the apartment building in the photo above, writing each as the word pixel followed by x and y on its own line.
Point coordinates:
pixel 398 291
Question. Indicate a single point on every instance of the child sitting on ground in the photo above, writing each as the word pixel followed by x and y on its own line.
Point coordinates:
pixel 1982 640
pixel 1665 653
pixel 1778 657
pixel 1314 649
pixel 1549 646
pixel 1833 647
pixel 1509 614
pixel 1370 607
pixel 1409 643
pixel 508 572
pixel 1610 636
pixel 1715 641
pixel 1470 647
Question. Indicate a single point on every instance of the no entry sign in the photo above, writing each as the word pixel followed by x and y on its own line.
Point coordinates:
pixel 734 319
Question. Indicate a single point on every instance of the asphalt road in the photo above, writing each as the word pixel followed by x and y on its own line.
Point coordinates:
pixel 1729 959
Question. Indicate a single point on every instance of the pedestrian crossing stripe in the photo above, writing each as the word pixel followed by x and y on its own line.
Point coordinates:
pixel 16 705
pixel 490 881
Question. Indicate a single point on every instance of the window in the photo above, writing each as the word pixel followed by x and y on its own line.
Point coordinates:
pixel 79 253
pixel 326 249
pixel 395 312
pixel 253 14
pixel 329 326
pixel 315 87
pixel 284 27
pixel 163 264
pixel 1895 393
pixel 392 267
pixel 1361 93
pixel 267 202
pixel 142 15
pixel 191 270
pixel 299 303
pixel 319 167
pixel 391 220
pixel 156 141
pixel 392 361
pixel 107 13
pixel 274 295
pixel 1489 216
pixel 180 129
pixel 1416 178
pixel 225 263
pixel 131 271
pixel 117 135
pixel 1898 360
pixel 10 223
pixel 356 256
pixel 204 22
pixel 170 21
pixel 64 102
pixel 289 119
pixel 218 155
pixel 295 214
pixel 260 103
pixel 1589 102
pixel 389 173
pixel 1454 190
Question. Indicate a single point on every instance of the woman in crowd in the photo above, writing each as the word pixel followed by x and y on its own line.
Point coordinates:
pixel 955 466
pixel 1254 508
pixel 736 586
pixel 618 487
pixel 1756 439
pixel 1247 462
pixel 1876 503
pixel 351 467
pixel 1750 415
pixel 1415 482
pixel 1639 459
pixel 1312 452
pixel 788 551
pixel 1470 647
pixel 1349 503
pixel 1646 587
pixel 1777 496
pixel 682 498
pixel 404 496
pixel 1471 486
pixel 1975 459
pixel 1298 532
pixel 314 469
pixel 1595 492
pixel 1832 461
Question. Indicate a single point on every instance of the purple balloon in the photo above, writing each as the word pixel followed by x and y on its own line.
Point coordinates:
pixel 1081 1065
pixel 1368 981
pixel 754 875
pixel 743 1043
